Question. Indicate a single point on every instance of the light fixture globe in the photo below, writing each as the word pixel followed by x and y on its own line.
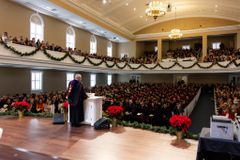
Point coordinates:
pixel 175 34
pixel 155 9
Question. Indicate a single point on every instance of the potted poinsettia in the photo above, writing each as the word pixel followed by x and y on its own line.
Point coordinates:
pixel 21 107
pixel 114 112
pixel 65 110
pixel 181 123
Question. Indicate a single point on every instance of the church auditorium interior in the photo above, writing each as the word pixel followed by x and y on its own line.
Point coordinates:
pixel 120 79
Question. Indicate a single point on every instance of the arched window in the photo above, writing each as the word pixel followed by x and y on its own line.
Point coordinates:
pixel 36 27
pixel 70 38
pixel 109 49
pixel 93 45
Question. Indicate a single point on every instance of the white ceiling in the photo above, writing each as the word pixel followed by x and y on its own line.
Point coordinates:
pixel 122 11
pixel 121 14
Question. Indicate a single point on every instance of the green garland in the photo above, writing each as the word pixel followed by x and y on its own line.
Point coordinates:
pixel 110 66
pixel 41 115
pixel 210 66
pixel 76 61
pixel 119 67
pixel 20 53
pixel 115 63
pixel 139 66
pixel 94 64
pixel 167 67
pixel 158 129
pixel 54 58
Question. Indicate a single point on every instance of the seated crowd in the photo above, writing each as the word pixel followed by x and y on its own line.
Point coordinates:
pixel 150 57
pixel 220 55
pixel 42 102
pixel 151 103
pixel 228 100
pixel 53 47
pixel 183 53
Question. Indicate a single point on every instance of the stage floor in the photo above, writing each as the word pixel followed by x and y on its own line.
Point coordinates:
pixel 39 137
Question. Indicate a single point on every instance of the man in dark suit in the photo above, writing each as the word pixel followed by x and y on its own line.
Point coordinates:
pixel 76 95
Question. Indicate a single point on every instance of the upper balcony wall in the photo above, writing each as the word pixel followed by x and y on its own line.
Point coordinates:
pixel 24 56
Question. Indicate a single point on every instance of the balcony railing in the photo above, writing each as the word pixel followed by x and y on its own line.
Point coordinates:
pixel 20 55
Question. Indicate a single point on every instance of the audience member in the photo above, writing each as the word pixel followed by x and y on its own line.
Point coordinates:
pixel 228 100
pixel 220 55
pixel 148 102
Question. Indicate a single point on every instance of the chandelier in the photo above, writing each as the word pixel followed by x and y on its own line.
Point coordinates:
pixel 175 33
pixel 106 1
pixel 155 9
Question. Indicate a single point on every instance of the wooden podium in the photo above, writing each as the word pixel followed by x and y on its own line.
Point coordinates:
pixel 92 108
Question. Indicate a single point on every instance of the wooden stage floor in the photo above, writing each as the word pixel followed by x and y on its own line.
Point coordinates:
pixel 33 138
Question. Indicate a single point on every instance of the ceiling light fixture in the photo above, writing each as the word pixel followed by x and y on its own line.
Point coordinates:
pixel 175 33
pixel 106 1
pixel 155 9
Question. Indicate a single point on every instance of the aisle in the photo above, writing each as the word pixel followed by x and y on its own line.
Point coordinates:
pixel 202 112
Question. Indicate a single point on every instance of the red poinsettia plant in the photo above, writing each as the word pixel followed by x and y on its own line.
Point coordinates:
pixel 21 106
pixel 180 122
pixel 114 111
pixel 65 106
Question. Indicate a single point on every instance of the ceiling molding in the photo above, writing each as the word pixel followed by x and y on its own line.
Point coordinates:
pixel 202 30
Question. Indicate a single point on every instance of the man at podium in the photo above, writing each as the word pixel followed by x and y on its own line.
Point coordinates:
pixel 76 95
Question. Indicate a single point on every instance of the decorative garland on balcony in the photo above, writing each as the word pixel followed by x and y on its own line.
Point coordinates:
pixel 20 53
pixel 110 66
pixel 76 61
pixel 115 63
pixel 54 58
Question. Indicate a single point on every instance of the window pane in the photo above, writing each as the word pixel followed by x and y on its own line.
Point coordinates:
pixel 109 51
pixel 70 37
pixel 37 85
pixel 33 77
pixel 40 85
pixel 186 47
pixel 70 77
pixel 37 76
pixel 36 27
pixel 93 45
pixel 36 80
pixel 33 85
pixel 109 79
pixel 216 45
pixel 92 80
pixel 70 41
